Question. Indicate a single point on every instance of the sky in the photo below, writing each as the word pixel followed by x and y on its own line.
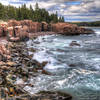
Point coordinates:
pixel 72 10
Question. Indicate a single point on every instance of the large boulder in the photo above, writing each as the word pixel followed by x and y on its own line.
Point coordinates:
pixel 18 30
pixel 70 29
pixel 74 43
pixel 18 33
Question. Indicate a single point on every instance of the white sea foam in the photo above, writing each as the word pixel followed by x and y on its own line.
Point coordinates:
pixel 97 32
pixel 81 81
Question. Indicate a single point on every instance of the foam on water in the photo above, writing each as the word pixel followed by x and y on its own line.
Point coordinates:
pixel 40 56
pixel 76 70
pixel 81 84
pixel 97 30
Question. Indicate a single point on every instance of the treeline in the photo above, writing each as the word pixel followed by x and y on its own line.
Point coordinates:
pixel 21 13
pixel 96 23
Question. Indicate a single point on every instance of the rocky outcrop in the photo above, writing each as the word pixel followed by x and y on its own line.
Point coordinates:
pixel 70 29
pixel 32 26
pixel 19 30
pixel 18 33
pixel 13 23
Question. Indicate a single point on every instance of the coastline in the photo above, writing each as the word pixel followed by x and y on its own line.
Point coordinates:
pixel 19 66
pixel 35 35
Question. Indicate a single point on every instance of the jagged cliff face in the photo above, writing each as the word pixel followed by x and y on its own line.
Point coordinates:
pixel 23 28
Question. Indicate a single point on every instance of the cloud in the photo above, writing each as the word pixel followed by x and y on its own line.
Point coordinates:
pixel 58 1
pixel 6 2
pixel 89 10
pixel 72 10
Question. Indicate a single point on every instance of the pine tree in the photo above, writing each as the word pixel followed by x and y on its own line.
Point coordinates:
pixel 36 6
pixel 11 12
pixel 31 12
pixel 60 19
pixel 21 13
pixel 63 19
pixel 1 11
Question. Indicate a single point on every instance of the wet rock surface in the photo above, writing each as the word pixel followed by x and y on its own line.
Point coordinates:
pixel 74 43
pixel 21 67
pixel 47 95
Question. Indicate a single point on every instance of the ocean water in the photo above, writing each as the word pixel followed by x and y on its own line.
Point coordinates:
pixel 75 69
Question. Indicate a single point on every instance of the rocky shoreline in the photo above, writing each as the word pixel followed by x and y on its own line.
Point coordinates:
pixel 22 30
pixel 21 65
pixel 16 63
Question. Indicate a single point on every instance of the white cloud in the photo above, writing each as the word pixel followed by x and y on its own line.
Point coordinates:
pixel 5 2
pixel 89 10
pixel 86 9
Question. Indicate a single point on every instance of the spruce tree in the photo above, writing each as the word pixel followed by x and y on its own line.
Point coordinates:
pixel 1 11
pixel 21 13
pixel 63 19
pixel 36 6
